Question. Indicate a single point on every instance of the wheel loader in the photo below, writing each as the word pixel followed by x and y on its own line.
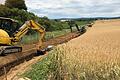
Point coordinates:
pixel 8 40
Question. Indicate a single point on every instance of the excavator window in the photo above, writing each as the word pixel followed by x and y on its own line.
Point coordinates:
pixel 9 26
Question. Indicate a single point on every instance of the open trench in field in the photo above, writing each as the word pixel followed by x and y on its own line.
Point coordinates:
pixel 29 51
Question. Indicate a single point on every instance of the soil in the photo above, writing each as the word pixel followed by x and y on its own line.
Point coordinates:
pixel 9 63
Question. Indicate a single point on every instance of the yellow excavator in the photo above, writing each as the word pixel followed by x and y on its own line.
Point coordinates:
pixel 8 41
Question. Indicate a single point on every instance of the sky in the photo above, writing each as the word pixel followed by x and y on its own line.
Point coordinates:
pixel 74 8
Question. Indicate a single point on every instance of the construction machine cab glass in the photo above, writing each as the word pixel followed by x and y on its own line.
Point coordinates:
pixel 9 25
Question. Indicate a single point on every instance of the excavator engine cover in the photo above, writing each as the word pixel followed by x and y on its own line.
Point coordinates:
pixel 4 37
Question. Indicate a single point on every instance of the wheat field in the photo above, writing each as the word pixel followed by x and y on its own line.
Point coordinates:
pixel 93 56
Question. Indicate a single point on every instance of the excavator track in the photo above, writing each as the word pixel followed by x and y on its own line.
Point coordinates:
pixel 9 49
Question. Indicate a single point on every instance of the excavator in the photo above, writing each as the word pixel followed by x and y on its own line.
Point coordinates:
pixel 8 41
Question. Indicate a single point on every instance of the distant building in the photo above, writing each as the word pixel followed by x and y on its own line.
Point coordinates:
pixel 65 20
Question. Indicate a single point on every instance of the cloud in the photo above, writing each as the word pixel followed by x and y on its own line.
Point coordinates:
pixel 2 1
pixel 74 8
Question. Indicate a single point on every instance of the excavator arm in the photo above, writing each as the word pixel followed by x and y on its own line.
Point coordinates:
pixel 25 28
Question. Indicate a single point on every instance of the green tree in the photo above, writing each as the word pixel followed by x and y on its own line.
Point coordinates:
pixel 4 11
pixel 23 15
pixel 20 4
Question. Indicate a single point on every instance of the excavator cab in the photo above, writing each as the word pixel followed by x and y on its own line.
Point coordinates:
pixel 9 25
pixel 6 32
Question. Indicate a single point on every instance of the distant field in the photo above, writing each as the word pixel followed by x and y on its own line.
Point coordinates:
pixel 92 56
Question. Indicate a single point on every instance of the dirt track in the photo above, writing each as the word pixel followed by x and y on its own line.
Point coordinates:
pixel 31 48
pixel 29 52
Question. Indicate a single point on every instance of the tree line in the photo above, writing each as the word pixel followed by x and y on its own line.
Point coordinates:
pixel 17 9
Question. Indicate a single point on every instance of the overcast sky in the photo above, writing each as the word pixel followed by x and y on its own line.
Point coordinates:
pixel 74 8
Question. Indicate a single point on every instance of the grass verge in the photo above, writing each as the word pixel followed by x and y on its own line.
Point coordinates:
pixel 44 69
